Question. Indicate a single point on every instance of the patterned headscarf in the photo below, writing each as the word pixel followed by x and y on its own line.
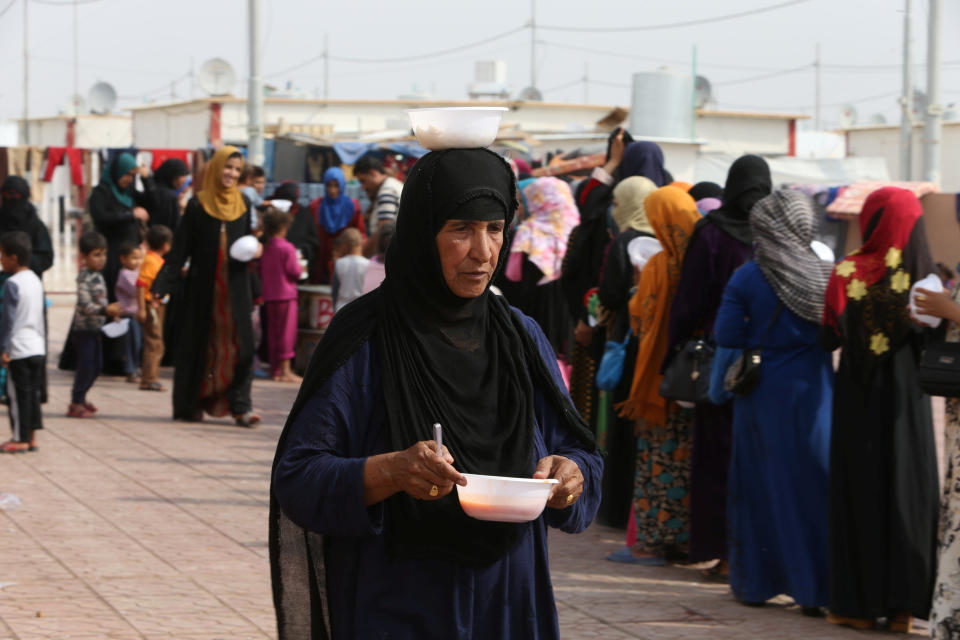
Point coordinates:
pixel 543 236
pixel 866 301
pixel 628 197
pixel 673 215
pixel 783 225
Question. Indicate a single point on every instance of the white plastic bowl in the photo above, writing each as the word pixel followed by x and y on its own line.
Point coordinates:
pixel 503 499
pixel 244 248
pixel 456 127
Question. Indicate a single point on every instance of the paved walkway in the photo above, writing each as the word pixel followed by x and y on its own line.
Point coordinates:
pixel 136 527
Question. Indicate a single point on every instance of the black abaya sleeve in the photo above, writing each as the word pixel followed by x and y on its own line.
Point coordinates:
pixel 107 212
pixel 183 241
pixel 41 258
pixel 617 277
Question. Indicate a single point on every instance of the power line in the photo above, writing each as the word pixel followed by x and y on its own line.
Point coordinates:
pixel 164 87
pixel 765 76
pixel 421 56
pixel 676 25
pixel 871 98
pixel 65 3
pixel 7 8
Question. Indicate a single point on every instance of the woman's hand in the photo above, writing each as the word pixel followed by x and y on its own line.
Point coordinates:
pixel 568 473
pixel 938 305
pixel 114 310
pixel 418 471
pixel 141 214
pixel 616 153
pixel 583 334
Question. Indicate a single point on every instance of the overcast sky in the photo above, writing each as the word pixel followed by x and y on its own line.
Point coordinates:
pixel 141 46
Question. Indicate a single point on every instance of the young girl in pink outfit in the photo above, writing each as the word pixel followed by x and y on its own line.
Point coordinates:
pixel 279 272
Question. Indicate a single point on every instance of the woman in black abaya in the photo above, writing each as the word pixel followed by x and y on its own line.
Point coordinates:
pixel 366 536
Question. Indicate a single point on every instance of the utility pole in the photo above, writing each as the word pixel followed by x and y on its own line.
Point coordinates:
pixel 26 77
pixel 255 98
pixel 533 43
pixel 906 100
pixel 933 124
pixel 816 108
pixel 326 67
pixel 76 63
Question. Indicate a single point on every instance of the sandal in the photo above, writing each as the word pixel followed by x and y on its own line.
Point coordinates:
pixel 625 555
pixel 248 419
pixel 89 406
pixel 854 623
pixel 13 447
pixel 133 377
pixel 152 386
pixel 78 411
pixel 901 623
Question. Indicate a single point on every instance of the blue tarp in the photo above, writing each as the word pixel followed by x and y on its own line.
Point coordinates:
pixel 350 152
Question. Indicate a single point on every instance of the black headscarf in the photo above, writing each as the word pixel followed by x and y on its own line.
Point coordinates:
pixel 703 190
pixel 17 213
pixel 467 363
pixel 747 182
pixel 644 158
pixel 16 208
pixel 169 171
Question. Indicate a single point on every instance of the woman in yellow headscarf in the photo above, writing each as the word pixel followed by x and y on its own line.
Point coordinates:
pixel 214 353
pixel 662 501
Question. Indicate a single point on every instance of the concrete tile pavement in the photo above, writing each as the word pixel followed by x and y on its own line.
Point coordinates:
pixel 137 527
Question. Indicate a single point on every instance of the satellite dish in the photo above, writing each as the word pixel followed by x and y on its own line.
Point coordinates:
pixel 848 116
pixel 878 118
pixel 102 97
pixel 703 92
pixel 216 77
pixel 530 94
pixel 76 105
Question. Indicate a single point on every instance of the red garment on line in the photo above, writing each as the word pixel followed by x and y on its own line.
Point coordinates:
pixel 55 156
pixel 162 155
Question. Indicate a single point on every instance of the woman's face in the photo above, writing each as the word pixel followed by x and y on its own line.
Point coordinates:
pixel 231 172
pixel 469 250
pixel 333 189
pixel 126 179
pixel 179 182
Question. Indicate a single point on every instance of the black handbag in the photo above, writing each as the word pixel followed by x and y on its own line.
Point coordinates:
pixel 687 376
pixel 939 370
pixel 743 375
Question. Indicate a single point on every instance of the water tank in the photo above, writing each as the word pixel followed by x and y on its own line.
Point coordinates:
pixel 662 105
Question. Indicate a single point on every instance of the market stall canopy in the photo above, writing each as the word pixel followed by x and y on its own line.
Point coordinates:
pixel 790 170
pixel 849 200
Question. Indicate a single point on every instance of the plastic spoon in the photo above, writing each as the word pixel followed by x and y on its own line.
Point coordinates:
pixel 438 437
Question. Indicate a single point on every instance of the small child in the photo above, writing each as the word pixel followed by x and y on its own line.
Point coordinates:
pixel 279 273
pixel 349 268
pixel 377 269
pixel 131 257
pixel 23 342
pixel 150 311
pixel 91 314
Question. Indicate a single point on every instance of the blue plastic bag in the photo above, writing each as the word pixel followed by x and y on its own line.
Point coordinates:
pixel 610 370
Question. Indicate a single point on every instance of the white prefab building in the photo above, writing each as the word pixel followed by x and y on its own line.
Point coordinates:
pixel 545 126
pixel 884 141
pixel 87 131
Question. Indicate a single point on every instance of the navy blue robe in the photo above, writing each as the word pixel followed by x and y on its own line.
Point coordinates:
pixel 319 484
pixel 778 498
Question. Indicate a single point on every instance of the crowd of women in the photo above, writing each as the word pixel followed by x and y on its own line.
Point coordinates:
pixel 810 482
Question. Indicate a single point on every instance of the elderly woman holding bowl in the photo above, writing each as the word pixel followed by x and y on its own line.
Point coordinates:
pixel 367 536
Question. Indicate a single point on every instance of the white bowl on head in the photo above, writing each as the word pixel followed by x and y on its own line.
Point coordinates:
pixel 456 127
pixel 503 499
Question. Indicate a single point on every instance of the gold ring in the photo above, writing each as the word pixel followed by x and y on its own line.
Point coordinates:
pixel 434 491
pixel 570 499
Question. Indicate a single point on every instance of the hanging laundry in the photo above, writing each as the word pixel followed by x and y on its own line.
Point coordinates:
pixel 162 155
